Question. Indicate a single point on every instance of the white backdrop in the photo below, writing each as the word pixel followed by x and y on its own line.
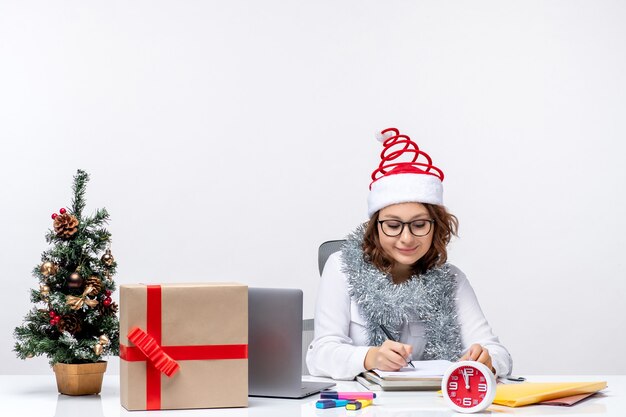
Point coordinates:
pixel 228 139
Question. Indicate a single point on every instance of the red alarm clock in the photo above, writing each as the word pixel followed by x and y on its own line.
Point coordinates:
pixel 468 387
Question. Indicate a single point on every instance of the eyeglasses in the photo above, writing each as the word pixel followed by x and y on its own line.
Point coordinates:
pixel 394 228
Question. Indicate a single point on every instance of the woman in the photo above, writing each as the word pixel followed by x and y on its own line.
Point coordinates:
pixel 392 273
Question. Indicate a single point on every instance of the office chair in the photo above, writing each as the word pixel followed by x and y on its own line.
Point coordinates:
pixel 308 328
pixel 325 250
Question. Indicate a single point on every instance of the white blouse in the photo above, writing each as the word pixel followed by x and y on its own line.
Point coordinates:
pixel 340 344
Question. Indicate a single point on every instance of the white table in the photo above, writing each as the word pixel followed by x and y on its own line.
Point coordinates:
pixel 36 395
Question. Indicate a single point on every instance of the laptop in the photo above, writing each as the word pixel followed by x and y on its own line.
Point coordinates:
pixel 275 345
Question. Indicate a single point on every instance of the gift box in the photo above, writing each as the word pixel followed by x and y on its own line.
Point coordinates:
pixel 183 346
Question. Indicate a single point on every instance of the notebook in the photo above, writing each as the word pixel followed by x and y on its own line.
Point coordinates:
pixel 373 382
pixel 275 345
pixel 425 375
pixel 419 370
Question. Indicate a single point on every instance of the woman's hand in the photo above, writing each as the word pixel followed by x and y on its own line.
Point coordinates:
pixel 480 354
pixel 390 356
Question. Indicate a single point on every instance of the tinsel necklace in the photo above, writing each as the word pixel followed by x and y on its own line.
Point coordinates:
pixel 428 297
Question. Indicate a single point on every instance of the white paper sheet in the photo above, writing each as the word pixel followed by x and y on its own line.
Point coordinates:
pixel 423 369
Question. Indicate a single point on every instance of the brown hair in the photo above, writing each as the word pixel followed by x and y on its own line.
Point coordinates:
pixel 445 226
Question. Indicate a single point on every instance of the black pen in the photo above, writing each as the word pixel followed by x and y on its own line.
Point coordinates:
pixel 390 337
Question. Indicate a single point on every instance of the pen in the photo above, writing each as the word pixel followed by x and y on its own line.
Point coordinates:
pixel 358 404
pixel 339 395
pixel 390 337
pixel 328 403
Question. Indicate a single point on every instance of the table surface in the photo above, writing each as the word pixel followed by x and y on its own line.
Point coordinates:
pixel 36 395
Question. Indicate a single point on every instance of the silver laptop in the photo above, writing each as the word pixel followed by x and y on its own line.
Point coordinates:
pixel 275 345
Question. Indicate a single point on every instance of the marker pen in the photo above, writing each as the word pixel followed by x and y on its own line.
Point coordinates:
pixel 348 395
pixel 358 404
pixel 330 403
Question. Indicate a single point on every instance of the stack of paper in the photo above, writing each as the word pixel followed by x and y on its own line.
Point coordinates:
pixel 426 375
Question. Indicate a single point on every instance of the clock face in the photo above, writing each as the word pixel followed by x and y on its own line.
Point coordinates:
pixel 469 386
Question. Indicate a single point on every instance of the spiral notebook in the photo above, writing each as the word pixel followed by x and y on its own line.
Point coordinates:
pixel 373 382
pixel 426 375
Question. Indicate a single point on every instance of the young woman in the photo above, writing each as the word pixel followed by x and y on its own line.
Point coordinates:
pixel 392 271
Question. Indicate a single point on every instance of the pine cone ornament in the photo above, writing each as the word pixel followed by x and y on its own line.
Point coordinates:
pixel 96 283
pixel 109 310
pixel 69 323
pixel 65 225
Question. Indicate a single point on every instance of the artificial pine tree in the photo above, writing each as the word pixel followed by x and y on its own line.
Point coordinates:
pixel 74 319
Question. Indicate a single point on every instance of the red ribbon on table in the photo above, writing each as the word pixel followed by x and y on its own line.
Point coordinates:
pixel 163 358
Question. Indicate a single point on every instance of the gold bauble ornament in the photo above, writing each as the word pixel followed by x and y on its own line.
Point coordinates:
pixel 48 268
pixel 98 349
pixel 29 356
pixel 104 340
pixel 44 290
pixel 75 280
pixel 107 258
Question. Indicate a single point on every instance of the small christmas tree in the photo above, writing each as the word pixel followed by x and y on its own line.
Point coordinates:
pixel 74 319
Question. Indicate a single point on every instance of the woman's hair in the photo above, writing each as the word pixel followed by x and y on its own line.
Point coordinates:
pixel 445 226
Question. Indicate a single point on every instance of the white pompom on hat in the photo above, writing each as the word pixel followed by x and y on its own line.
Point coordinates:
pixel 409 181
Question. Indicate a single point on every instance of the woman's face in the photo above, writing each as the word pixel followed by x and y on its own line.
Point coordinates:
pixel 406 248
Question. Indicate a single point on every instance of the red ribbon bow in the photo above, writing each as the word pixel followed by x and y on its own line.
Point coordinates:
pixel 153 351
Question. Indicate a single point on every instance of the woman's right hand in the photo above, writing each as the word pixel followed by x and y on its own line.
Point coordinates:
pixel 390 356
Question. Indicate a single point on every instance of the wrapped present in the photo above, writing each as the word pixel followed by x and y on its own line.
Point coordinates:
pixel 183 346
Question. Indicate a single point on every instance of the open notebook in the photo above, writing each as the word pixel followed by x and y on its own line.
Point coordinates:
pixel 420 370
pixel 426 375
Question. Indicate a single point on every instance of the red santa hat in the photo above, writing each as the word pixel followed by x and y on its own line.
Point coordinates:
pixel 400 177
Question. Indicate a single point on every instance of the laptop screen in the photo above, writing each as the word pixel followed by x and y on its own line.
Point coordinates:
pixel 274 341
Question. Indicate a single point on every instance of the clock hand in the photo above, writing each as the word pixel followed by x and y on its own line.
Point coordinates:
pixel 466 378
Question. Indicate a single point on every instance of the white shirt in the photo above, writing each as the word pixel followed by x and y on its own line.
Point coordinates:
pixel 340 344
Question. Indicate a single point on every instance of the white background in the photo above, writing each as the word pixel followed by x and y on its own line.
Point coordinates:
pixel 228 139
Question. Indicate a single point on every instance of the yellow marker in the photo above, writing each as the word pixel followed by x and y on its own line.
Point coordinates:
pixel 358 404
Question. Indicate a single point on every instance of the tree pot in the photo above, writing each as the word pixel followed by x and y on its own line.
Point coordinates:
pixel 79 379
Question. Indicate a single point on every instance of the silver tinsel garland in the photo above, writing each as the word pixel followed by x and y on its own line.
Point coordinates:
pixel 429 297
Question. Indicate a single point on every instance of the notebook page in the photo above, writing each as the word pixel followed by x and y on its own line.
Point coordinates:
pixel 423 369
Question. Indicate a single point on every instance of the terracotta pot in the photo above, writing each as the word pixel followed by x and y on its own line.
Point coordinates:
pixel 79 379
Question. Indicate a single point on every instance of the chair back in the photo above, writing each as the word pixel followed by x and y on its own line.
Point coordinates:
pixel 308 326
pixel 325 250
pixel 308 334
